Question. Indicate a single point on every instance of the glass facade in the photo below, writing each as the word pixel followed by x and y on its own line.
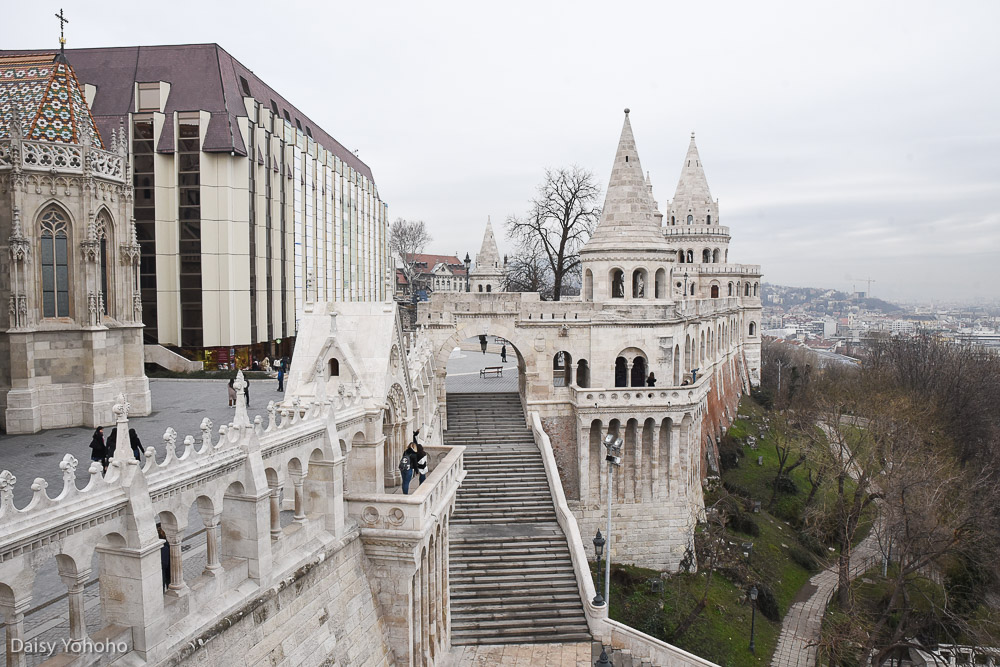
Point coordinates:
pixel 144 211
pixel 189 217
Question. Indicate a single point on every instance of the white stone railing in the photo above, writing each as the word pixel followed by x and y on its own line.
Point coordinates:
pixel 64 158
pixel 692 308
pixel 637 397
pixel 695 230
pixel 608 631
pixel 734 269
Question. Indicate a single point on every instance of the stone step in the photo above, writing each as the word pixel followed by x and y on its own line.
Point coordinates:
pixel 568 599
pixel 535 634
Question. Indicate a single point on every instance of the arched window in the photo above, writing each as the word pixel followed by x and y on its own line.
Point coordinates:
pixel 489 288
pixel 660 289
pixel 746 289
pixel 639 278
pixel 690 256
pixel 673 220
pixel 621 372
pixel 730 288
pixel 562 369
pixel 706 256
pixel 753 328
pixel 638 372
pixel 617 284
pixel 334 368
pixel 55 264
pixel 755 285
pixel 680 257
pixel 690 219
pixel 715 291
pixel 588 285
pixel 708 219
pixel 103 224
pixel 582 374
pixel 715 256
pixel 692 289
pixel 480 288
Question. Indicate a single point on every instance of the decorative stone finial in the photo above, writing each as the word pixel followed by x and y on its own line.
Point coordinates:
pixel 7 482
pixel 626 111
pixel 121 408
pixel 241 418
pixel 68 466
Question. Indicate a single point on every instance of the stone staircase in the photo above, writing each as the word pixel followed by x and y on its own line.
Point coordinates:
pixel 511 577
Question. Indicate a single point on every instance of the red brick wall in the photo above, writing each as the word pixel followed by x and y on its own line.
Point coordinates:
pixel 725 392
pixel 562 433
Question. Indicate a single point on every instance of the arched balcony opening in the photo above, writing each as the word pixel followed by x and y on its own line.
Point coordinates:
pixel 639 278
pixel 617 284
pixel 715 256
pixel 562 369
pixel 660 288
pixel 715 291
pixel 588 285
pixel 638 378
pixel 621 372
pixel 582 374
pixel 706 256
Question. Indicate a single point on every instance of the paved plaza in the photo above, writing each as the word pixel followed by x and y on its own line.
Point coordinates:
pixel 465 363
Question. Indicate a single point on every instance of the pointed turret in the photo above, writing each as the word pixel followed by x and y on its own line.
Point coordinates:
pixel 693 198
pixel 628 219
pixel 488 272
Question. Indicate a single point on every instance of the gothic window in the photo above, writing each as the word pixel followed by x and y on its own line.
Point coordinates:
pixel 755 285
pixel 708 219
pixel 334 368
pixel 690 219
pixel 55 264
pixel 480 288
pixel 489 288
pixel 753 328
pixel 730 289
pixel 103 223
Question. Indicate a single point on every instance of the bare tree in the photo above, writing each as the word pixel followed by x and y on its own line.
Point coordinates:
pixel 527 270
pixel 408 238
pixel 560 220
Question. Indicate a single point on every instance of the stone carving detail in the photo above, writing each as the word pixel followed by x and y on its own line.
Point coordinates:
pixel 52 155
pixel 121 408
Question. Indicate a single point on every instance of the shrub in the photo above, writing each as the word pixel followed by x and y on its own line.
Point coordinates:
pixel 763 397
pixel 737 489
pixel 785 484
pixel 809 541
pixel 744 523
pixel 767 604
pixel 730 452
pixel 803 559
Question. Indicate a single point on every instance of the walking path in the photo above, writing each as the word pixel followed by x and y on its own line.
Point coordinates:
pixel 521 655
pixel 800 630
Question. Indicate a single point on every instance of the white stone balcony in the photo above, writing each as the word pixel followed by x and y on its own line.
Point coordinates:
pixel 48 156
pixel 672 231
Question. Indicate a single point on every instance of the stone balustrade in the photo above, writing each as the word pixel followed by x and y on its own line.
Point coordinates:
pixel 64 158
pixel 728 269
pixel 644 397
pixel 695 230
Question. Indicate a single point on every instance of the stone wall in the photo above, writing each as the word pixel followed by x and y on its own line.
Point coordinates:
pixel 324 613
pixel 562 431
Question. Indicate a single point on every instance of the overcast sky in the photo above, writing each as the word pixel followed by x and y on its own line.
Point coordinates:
pixel 860 139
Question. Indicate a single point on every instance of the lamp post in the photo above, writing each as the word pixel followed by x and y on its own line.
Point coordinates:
pixel 753 615
pixel 598 550
pixel 604 661
pixel 614 458
pixel 468 263
pixel 685 284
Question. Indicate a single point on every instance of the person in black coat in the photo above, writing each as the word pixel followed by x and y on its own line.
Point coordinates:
pixel 111 444
pixel 98 450
pixel 246 392
pixel 164 557
pixel 133 438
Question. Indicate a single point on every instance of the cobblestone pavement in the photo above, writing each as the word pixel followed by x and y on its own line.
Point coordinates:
pixel 521 655
pixel 800 630
pixel 464 367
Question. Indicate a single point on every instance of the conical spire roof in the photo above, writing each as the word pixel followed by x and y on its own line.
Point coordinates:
pixel 488 259
pixel 628 219
pixel 692 188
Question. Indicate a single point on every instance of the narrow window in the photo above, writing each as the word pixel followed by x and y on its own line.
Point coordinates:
pixel 708 219
pixel 690 219
pixel 55 265
pixel 334 368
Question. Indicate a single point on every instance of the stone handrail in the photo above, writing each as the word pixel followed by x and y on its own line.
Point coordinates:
pixel 64 158
pixel 601 627
pixel 644 396
pixel 734 269
pixel 695 230
pixel 398 512
pixel 578 554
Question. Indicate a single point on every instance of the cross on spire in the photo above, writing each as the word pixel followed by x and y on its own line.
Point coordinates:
pixel 62 24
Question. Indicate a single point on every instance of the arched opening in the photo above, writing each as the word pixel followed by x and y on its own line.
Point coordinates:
pixel 753 328
pixel 562 369
pixel 680 257
pixel 588 285
pixel 690 256
pixel 617 284
pixel 480 288
pixel 103 226
pixel 706 256
pixel 660 290
pixel 708 219
pixel 639 277
pixel 730 288
pixel 746 289
pixel 334 368
pixel 715 291
pixel 54 259
pixel 582 374
pixel 595 478
pixel 692 289
pixel 715 256
pixel 690 219
pixel 478 362
pixel 673 220
pixel 677 365
pixel 755 286
pixel 489 288
pixel 621 372
pixel 638 372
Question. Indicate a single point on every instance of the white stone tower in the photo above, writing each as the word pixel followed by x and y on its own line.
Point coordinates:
pixel 693 220
pixel 488 274
pixel 627 257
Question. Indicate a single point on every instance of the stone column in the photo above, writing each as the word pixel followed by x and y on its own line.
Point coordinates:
pixel 366 467
pixel 74 588
pixel 324 493
pixel 177 587
pixel 299 515
pixel 132 593
pixel 213 567
pixel 275 498
pixel 424 611
pixel 13 613
pixel 416 654
pixel 674 474
pixel 247 535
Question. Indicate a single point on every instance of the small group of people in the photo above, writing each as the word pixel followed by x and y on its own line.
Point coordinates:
pixel 103 451
pixel 414 459
pixel 233 394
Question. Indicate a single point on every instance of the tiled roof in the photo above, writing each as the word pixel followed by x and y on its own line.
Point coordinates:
pixel 42 89
pixel 426 263
pixel 202 77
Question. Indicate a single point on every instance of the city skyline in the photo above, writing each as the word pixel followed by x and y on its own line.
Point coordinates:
pixel 841 145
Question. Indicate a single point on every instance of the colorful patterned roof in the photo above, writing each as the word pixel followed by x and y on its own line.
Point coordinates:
pixel 43 90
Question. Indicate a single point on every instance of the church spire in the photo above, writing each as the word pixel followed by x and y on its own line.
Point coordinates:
pixel 628 219
pixel 693 186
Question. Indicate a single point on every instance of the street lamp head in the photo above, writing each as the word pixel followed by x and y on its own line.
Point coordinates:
pixel 603 660
pixel 753 594
pixel 599 543
pixel 609 439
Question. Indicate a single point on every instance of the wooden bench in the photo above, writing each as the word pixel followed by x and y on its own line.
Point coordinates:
pixel 491 371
